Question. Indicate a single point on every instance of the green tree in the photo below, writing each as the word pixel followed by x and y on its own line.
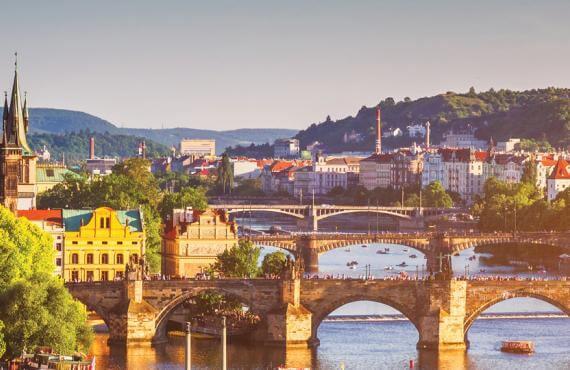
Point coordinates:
pixel 240 261
pixel 226 175
pixel 35 307
pixel 274 263
pixel 187 197
pixel 434 195
pixel 2 341
pixel 25 250
pixel 529 174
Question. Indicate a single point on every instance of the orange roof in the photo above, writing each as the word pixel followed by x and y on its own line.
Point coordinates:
pixel 50 215
pixel 481 156
pixel 548 162
pixel 560 171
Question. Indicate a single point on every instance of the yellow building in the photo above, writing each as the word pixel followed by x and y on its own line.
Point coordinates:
pixel 192 241
pixel 99 243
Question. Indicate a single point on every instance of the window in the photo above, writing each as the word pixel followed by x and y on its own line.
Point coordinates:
pixel 74 243
pixel 90 242
pixel 104 258
pixel 108 222
pixel 120 259
pixel 101 223
pixel 89 258
pixel 119 243
pixel 58 261
pixel 135 243
pixel 49 172
pixel 74 258
pixel 74 275
pixel 105 242
pixel 104 275
pixel 58 247
pixel 90 275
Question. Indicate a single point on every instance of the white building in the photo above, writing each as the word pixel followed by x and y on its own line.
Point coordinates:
pixel 100 166
pixel 559 179
pixel 286 148
pixel 392 132
pixel 198 147
pixel 416 130
pixel 508 146
pixel 245 168
pixel 463 138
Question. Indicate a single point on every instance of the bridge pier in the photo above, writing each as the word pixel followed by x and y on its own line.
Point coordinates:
pixel 441 326
pixel 308 246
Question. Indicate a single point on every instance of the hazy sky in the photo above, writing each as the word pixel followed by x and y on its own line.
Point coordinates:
pixel 230 64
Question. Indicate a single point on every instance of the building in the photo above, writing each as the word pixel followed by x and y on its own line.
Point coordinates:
pixel 559 179
pixel 99 243
pixel 49 175
pixel 463 138
pixel 508 146
pixel 416 130
pixel 198 147
pixel 193 239
pixel 100 166
pixel 376 171
pixel 50 221
pixel 406 169
pixel 286 148
pixel 279 176
pixel 245 168
pixel 17 159
pixel 544 166
pixel 392 132
pixel 326 174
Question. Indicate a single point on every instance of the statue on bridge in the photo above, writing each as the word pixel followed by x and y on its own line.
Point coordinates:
pixel 294 268
pixel 136 268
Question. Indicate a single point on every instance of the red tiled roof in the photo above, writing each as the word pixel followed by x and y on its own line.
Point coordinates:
pixel 379 158
pixel 560 171
pixel 481 156
pixel 50 215
pixel 548 162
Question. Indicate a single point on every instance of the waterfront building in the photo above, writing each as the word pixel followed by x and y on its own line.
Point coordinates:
pixel 376 171
pixel 326 174
pixel 50 221
pixel 463 171
pixel 198 147
pixel 99 243
pixel 193 239
pixel 17 160
pixel 245 168
pixel 433 169
pixel 279 176
pixel 544 167
pixel 505 167
pixel 559 179
pixel 406 168
pixel 49 175
pixel 286 148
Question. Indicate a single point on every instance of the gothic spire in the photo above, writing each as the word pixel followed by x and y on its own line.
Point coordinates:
pixel 17 116
pixel 5 118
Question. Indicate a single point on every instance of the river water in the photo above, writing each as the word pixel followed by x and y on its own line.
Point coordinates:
pixel 376 344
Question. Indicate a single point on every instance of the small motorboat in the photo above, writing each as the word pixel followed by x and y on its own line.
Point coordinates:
pixel 388 268
pixel 517 346
pixel 403 264
pixel 413 256
pixel 386 249
pixel 352 267
pixel 364 246
pixel 406 250
pixel 351 263
pixel 380 251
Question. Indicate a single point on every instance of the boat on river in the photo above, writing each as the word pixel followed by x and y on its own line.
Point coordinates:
pixel 403 264
pixel 380 251
pixel 413 256
pixel 364 246
pixel 388 268
pixel 517 346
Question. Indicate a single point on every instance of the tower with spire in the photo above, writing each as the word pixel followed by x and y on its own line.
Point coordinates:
pixel 17 160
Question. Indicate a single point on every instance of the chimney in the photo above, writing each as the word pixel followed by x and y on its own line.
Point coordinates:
pixel 427 133
pixel 378 148
pixel 92 148
pixel 143 148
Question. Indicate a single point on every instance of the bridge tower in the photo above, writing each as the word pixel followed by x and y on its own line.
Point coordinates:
pixel 308 247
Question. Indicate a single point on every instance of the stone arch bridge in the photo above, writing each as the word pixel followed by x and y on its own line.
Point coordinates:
pixel 292 309
pixel 310 215
pixel 437 247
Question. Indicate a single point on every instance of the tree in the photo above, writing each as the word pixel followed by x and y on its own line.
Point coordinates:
pixel 529 174
pixel 226 174
pixel 274 263
pixel 240 261
pixel 187 197
pixel 434 195
pixel 25 250
pixel 35 307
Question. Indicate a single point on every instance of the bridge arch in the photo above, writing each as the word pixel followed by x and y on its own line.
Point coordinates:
pixel 416 245
pixel 505 296
pixel 499 242
pixel 292 213
pixel 165 313
pixel 333 213
pixel 327 309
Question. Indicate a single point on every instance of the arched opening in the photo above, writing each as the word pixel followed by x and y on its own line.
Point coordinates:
pixel 264 221
pixel 374 260
pixel 360 221
pixel 204 310
pixel 366 331
pixel 539 319
pixel 513 259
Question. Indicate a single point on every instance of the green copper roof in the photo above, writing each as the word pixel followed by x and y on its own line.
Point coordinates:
pixel 52 174
pixel 72 218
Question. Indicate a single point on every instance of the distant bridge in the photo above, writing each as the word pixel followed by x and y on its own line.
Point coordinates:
pixel 437 247
pixel 313 214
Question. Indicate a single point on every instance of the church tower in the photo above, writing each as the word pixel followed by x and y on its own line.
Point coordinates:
pixel 17 161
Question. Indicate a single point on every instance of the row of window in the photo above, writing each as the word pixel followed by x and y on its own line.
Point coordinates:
pixel 89 258
pixel 104 242
pixel 90 275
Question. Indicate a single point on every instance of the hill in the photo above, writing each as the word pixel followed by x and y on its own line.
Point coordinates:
pixel 75 145
pixel 542 114
pixel 60 121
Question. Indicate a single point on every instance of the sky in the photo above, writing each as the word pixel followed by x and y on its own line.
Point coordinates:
pixel 273 64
